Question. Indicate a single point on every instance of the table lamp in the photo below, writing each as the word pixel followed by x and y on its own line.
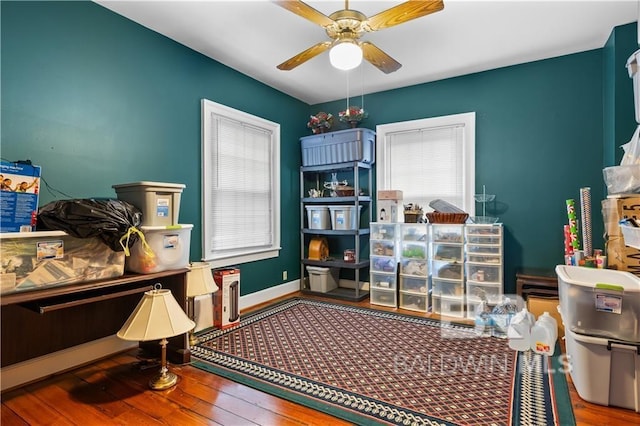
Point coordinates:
pixel 157 317
pixel 199 281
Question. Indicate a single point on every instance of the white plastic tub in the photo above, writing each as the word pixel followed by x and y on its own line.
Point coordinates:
pixel 169 244
pixel 603 371
pixel 600 302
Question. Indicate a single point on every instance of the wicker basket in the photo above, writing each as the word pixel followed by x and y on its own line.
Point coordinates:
pixel 345 191
pixel 441 217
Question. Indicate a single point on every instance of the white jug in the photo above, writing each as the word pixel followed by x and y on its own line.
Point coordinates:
pixel 519 330
pixel 544 334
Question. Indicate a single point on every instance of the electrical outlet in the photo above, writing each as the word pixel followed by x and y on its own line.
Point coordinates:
pixel 284 275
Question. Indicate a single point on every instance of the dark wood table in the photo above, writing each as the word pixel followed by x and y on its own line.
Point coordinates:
pixel 40 322
pixel 536 282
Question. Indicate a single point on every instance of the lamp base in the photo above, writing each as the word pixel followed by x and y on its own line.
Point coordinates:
pixel 163 381
pixel 193 339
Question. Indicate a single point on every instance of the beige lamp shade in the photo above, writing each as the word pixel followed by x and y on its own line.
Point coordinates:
pixel 200 279
pixel 157 316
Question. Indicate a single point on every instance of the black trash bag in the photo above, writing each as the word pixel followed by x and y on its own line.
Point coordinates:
pixel 107 219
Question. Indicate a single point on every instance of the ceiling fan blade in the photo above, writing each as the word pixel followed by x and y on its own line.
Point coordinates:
pixel 304 10
pixel 403 12
pixel 378 58
pixel 304 56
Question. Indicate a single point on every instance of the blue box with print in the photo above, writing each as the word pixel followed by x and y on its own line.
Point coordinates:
pixel 20 187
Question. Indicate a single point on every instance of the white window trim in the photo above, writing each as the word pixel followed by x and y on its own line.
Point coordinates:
pixel 207 108
pixel 466 120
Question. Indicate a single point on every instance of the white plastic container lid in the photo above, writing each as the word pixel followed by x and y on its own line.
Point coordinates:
pixel 144 228
pixel 602 279
pixel 149 184
pixel 33 234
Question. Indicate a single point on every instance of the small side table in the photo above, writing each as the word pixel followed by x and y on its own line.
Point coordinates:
pixel 536 282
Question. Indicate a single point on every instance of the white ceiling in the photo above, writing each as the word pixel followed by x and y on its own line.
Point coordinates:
pixel 466 37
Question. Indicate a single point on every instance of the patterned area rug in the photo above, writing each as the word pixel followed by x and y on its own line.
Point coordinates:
pixel 369 366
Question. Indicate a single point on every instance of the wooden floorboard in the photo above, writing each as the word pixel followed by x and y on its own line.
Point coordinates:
pixel 115 391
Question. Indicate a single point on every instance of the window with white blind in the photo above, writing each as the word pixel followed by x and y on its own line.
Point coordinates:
pixel 240 186
pixel 428 159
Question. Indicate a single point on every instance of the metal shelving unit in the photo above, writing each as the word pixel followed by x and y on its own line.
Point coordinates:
pixel 310 175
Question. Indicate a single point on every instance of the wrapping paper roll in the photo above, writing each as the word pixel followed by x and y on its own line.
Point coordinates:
pixel 568 250
pixel 585 208
pixel 573 224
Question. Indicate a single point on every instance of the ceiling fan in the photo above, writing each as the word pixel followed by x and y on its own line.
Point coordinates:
pixel 346 26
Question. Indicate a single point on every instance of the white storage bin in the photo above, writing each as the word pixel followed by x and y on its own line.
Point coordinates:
pixel 383 281
pixel 447 270
pixel 158 201
pixel 318 217
pixel 414 302
pixel 414 250
pixel 383 297
pixel 345 217
pixel 445 233
pixel 482 272
pixel 321 279
pixel 382 247
pixel 604 372
pixel 448 252
pixel 415 267
pixel 414 285
pixel 383 232
pixel 169 244
pixel 447 288
pixel 492 292
pixel 483 230
pixel 600 302
pixel 451 307
pixel 383 264
pixel 484 249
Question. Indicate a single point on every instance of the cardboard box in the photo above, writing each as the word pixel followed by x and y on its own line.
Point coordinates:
pixel 390 194
pixel 615 209
pixel 20 185
pixel 226 301
pixel 539 305
pixel 622 257
pixel 388 205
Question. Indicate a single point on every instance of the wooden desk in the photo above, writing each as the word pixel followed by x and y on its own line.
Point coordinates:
pixel 538 282
pixel 40 322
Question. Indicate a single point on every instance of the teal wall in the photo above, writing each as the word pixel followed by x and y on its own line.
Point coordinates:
pixel 619 123
pixel 539 139
pixel 97 100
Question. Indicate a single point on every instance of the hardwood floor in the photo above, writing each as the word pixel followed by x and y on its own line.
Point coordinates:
pixel 115 391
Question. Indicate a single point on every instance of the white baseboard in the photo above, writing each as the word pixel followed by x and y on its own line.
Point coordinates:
pixel 268 294
pixel 38 368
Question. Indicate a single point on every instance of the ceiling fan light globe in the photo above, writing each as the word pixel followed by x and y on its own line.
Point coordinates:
pixel 345 56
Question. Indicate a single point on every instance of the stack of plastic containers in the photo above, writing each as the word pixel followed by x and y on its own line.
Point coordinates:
pixel 167 243
pixel 600 309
